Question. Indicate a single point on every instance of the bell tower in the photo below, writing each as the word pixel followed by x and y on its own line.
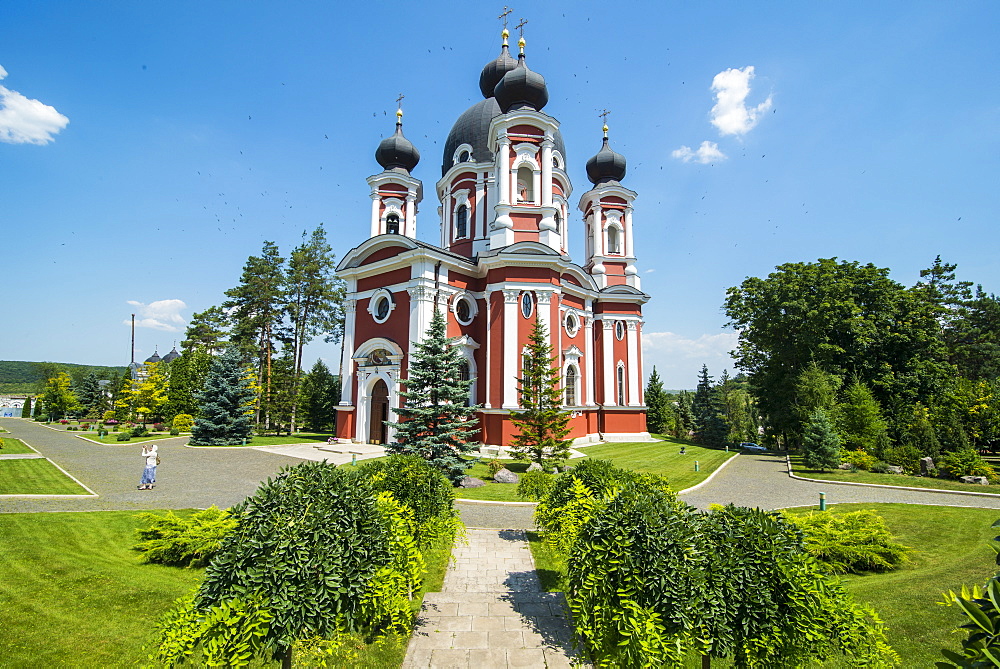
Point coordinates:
pixel 607 213
pixel 395 193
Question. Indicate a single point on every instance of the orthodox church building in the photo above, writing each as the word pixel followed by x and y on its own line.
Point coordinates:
pixel 502 261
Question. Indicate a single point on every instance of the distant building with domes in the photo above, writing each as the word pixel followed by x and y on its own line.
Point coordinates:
pixel 504 218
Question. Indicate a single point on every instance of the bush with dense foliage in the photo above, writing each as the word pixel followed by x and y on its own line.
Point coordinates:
pixel 124 435
pixel 183 422
pixel 858 459
pixel 906 456
pixel 967 462
pixel 189 541
pixel 850 543
pixel 535 485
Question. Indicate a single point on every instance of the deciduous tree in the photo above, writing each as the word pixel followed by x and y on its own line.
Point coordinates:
pixel 58 396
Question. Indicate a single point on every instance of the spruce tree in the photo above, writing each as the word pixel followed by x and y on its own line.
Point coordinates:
pixel 820 442
pixel 318 398
pixel 90 395
pixel 701 404
pixel 226 403
pixel 685 415
pixel 541 422
pixel 436 422
pixel 657 409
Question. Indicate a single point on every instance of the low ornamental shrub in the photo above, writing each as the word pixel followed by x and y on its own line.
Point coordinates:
pixel 85 426
pixel 159 427
pixel 494 466
pixel 183 542
pixel 879 467
pixel 111 421
pixel 535 485
pixel 859 459
pixel 183 422
pixel 124 435
pixel 850 543
pixel 966 462
pixel 63 421
pixel 906 456
pixel 174 432
pixel 140 431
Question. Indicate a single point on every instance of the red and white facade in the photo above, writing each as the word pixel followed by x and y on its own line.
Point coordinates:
pixel 504 210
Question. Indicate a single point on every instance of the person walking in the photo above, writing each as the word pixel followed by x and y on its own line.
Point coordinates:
pixel 149 471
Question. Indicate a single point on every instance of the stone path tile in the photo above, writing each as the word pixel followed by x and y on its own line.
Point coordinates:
pixel 491 612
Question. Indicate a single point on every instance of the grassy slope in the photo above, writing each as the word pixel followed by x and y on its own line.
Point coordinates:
pixel 887 479
pixel 660 458
pixel 950 549
pixel 35 477
pixel 13 446
pixel 75 594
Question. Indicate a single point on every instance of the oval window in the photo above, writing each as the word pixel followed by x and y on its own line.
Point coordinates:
pixel 463 311
pixel 381 308
pixel 527 304
pixel 620 330
pixel 572 324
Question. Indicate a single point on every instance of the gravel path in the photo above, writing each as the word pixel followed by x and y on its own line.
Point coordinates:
pixel 762 481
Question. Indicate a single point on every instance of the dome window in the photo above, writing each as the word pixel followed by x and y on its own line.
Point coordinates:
pixel 614 241
pixel 462 222
pixel 392 224
pixel 464 157
pixel 525 184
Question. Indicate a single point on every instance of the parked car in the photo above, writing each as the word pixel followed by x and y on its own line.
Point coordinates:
pixel 747 446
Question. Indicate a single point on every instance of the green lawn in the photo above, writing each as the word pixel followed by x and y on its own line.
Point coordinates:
pixel 297 438
pixel 12 446
pixel 75 593
pixel 658 457
pixel 35 476
pixel 888 479
pixel 950 549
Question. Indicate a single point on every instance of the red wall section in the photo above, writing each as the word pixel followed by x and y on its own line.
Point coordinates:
pixel 395 328
pixel 382 254
pixel 400 275
pixel 534 134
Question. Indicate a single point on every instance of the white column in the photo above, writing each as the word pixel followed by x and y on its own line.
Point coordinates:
pixel 607 336
pixel 503 171
pixel 411 215
pixel 588 353
pixel 632 364
pixel 421 309
pixel 544 306
pixel 629 248
pixel 511 348
pixel 487 358
pixel 598 231
pixel 347 364
pixel 446 203
pixel 547 172
pixel 376 200
pixel 480 230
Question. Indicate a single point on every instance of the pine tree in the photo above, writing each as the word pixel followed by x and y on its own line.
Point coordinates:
pixel 436 422
pixel 715 430
pixel 225 403
pixel 657 409
pixel 207 331
pixel 318 398
pixel 685 415
pixel 820 442
pixel 91 395
pixel 701 403
pixel 541 422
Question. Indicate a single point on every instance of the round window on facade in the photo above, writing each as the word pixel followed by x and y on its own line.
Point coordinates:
pixel 620 330
pixel 381 307
pixel 527 304
pixel 572 324
pixel 463 310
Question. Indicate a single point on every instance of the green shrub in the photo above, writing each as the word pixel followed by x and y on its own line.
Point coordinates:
pixel 494 466
pixel 534 485
pixel 229 634
pixel 906 456
pixel 124 435
pixel 966 462
pixel 879 467
pixel 859 459
pixel 422 488
pixel 183 542
pixel 850 543
pixel 174 432
pixel 140 431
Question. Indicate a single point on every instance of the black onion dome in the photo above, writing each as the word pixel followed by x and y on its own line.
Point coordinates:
pixel 170 357
pixel 521 88
pixel 494 71
pixel 606 166
pixel 154 358
pixel 473 128
pixel 397 152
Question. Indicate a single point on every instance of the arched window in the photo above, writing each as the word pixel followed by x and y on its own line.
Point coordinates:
pixel 465 375
pixel 392 224
pixel 464 157
pixel 570 386
pixel 525 184
pixel 614 241
pixel 462 222
pixel 621 385
pixel 558 220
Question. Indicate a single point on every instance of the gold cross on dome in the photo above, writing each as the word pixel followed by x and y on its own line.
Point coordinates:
pixel 399 100
pixel 604 115
pixel 503 17
pixel 520 26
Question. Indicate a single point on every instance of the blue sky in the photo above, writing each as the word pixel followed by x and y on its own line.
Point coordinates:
pixel 147 149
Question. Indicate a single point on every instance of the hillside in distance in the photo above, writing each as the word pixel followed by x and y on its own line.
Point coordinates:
pixel 19 376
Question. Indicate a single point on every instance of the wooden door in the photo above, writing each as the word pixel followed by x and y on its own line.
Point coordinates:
pixel 377 430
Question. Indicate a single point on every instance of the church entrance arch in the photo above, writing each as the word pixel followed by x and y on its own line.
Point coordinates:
pixel 379 413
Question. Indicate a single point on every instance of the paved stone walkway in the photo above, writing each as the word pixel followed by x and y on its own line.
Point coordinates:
pixel 491 613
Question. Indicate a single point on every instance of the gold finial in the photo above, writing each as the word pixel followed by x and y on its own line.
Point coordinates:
pixel 505 35
pixel 604 118
pixel 520 44
pixel 605 131
pixel 399 109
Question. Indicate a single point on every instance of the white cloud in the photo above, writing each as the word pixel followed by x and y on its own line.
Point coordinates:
pixel 27 121
pixel 678 359
pixel 160 315
pixel 730 113
pixel 708 152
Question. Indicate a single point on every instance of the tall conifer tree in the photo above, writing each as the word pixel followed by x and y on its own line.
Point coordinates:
pixel 820 443
pixel 225 403
pixel 657 409
pixel 436 422
pixel 541 422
